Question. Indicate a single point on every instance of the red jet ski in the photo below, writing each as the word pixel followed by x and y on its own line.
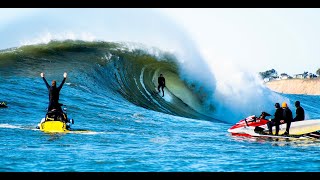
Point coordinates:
pixel 251 126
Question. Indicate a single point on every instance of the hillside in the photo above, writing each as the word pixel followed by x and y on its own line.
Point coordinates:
pixel 295 86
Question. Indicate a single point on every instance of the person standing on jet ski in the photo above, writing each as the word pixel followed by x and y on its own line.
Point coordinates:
pixel 278 115
pixel 54 92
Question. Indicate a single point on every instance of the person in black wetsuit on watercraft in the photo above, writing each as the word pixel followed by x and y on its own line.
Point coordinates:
pixel 263 115
pixel 287 117
pixel 278 115
pixel 299 112
pixel 54 92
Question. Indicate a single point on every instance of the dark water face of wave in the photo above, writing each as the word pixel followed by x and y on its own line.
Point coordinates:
pixel 108 92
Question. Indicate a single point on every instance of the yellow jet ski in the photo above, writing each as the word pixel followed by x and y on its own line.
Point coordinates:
pixel 55 121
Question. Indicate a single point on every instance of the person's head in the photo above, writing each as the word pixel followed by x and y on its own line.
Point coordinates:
pixel 277 105
pixel 284 105
pixel 53 83
pixel 264 114
pixel 161 75
pixel 297 103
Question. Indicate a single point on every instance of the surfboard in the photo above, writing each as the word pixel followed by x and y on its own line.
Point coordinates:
pixel 158 93
pixel 305 127
pixel 300 127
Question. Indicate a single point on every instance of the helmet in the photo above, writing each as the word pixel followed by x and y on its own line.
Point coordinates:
pixel 277 105
pixel 284 105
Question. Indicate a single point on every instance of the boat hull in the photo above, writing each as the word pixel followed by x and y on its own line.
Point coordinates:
pixel 53 126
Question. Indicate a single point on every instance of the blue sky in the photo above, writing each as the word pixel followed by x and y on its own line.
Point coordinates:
pixel 287 40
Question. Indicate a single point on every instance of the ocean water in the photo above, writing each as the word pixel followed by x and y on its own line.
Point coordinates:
pixel 122 124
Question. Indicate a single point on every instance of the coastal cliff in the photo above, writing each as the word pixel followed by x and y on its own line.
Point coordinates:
pixel 295 86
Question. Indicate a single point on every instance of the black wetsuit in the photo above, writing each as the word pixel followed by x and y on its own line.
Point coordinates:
pixel 278 115
pixel 161 83
pixel 287 116
pixel 299 114
pixel 54 95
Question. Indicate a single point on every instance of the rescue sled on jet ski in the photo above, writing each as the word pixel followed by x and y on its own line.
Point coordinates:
pixel 56 121
pixel 253 126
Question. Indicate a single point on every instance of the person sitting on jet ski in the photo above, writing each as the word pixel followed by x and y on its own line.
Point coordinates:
pixel 54 92
pixel 287 117
pixel 299 112
pixel 253 118
pixel 278 115
pixel 263 115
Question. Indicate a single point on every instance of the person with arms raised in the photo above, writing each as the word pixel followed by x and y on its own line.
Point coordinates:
pixel 54 92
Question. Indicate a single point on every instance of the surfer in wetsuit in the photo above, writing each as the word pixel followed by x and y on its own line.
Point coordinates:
pixel 161 83
pixel 54 92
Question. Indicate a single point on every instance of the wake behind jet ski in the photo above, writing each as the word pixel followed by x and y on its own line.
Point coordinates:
pixel 253 126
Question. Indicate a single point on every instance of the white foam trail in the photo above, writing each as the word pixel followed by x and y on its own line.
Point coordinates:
pixel 84 132
pixel 10 126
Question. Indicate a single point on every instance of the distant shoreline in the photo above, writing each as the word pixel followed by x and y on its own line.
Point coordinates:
pixel 295 86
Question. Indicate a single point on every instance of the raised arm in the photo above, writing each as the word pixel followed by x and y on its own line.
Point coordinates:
pixel 64 79
pixel 44 79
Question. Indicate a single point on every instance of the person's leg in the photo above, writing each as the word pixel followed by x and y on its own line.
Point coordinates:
pixel 59 108
pixel 54 106
pixel 277 128
pixel 288 127
pixel 159 88
pixel 162 90
pixel 270 124
pixel 50 107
